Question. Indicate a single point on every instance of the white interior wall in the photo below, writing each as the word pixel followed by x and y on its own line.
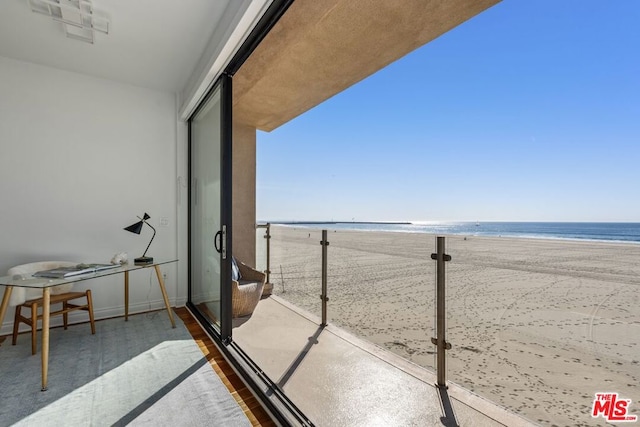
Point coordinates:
pixel 80 158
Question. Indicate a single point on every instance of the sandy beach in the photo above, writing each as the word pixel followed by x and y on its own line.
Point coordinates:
pixel 538 326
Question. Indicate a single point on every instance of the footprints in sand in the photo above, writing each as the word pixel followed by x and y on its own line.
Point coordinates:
pixel 536 326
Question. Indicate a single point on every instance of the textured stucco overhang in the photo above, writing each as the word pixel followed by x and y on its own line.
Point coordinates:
pixel 321 47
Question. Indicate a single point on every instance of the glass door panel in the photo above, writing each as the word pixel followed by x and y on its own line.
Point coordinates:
pixel 206 191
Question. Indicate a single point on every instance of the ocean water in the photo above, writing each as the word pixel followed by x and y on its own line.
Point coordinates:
pixel 596 231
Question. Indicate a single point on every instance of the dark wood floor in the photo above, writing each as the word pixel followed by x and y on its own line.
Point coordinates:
pixel 249 404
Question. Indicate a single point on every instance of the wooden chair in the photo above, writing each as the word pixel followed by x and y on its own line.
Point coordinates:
pixel 32 299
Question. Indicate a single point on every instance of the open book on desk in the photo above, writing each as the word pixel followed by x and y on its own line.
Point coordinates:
pixel 74 270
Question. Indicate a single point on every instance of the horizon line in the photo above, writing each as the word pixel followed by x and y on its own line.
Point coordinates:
pixel 423 222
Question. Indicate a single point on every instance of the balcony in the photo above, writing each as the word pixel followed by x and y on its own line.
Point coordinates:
pixel 537 327
pixel 338 379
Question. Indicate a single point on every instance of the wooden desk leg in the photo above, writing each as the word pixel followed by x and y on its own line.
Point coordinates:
pixel 164 294
pixel 126 296
pixel 46 299
pixel 5 303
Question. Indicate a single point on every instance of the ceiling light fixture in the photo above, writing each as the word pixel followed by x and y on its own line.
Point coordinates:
pixel 77 17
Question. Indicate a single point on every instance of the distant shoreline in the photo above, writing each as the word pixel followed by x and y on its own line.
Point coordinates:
pixel 574 231
pixel 339 222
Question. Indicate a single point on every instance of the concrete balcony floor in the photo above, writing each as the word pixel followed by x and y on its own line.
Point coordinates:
pixel 337 379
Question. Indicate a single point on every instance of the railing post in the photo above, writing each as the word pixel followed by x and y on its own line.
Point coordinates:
pixel 268 237
pixel 441 344
pixel 324 297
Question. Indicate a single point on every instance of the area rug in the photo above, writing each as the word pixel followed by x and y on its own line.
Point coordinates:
pixel 139 372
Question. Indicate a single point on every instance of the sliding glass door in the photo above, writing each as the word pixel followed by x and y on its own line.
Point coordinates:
pixel 210 208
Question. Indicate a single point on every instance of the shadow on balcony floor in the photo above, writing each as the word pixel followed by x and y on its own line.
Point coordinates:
pixel 336 378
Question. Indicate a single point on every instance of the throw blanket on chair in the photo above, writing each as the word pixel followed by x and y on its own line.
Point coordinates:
pixel 19 295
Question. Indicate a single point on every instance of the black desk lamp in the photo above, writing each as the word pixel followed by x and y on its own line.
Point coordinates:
pixel 137 228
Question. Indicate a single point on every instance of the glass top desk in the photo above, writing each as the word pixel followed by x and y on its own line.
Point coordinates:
pixel 46 284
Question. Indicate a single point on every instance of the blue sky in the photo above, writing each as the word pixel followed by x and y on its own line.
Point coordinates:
pixel 528 112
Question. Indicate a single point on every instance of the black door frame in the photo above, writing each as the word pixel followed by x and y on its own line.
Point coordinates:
pixel 226 198
pixel 269 393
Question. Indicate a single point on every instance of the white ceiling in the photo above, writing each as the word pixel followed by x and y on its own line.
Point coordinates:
pixel 151 43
